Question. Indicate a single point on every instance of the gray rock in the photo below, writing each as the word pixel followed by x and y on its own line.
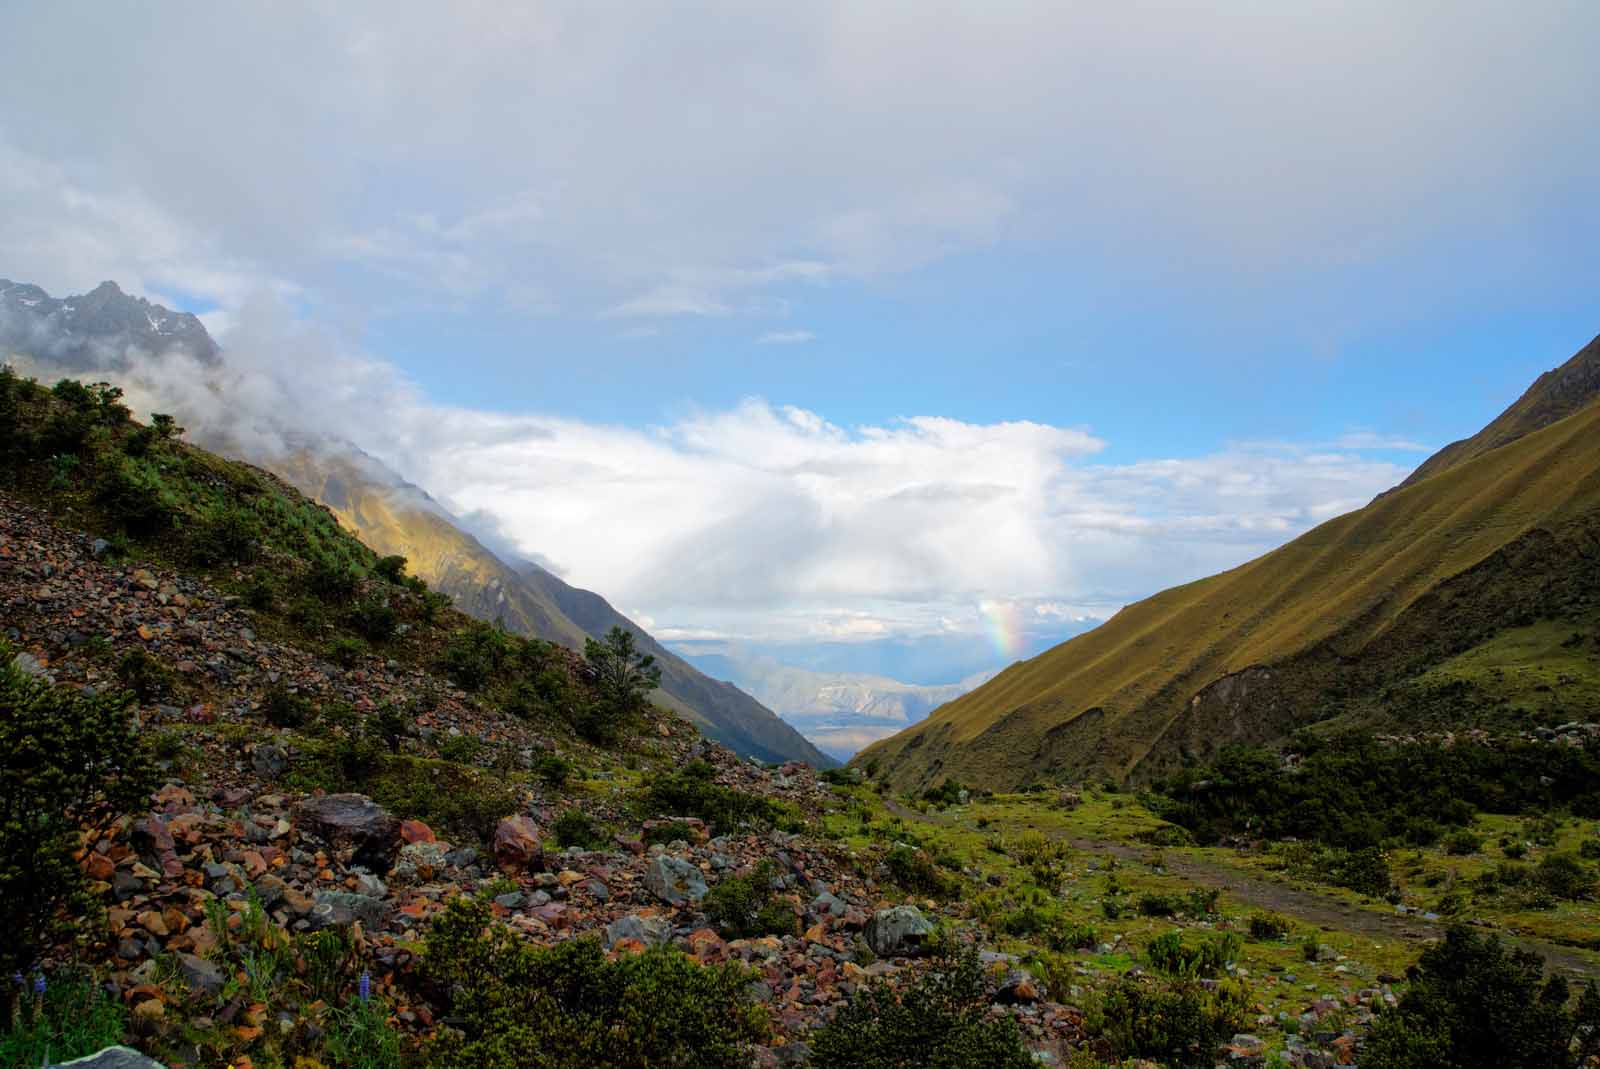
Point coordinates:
pixel 200 974
pixel 99 547
pixel 898 932
pixel 828 903
pixel 110 1058
pixel 353 822
pixel 270 761
pixel 420 862
pixel 674 880
pixel 28 664
pixel 651 931
pixel 340 909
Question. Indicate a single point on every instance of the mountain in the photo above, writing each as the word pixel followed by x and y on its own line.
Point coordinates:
pixel 102 329
pixel 1554 395
pixel 1466 596
pixel 839 711
pixel 108 332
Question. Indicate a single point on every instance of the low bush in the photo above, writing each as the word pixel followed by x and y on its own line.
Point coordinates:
pixel 284 708
pixel 1178 1022
pixel 1268 927
pixel 1167 953
pixel 574 827
pixel 224 534
pixel 391 568
pixel 745 907
pixel 375 619
pixel 1473 1004
pixel 147 677
pixel 475 654
pixel 552 770
pixel 940 1022
pixel 1461 843
pixel 512 1004
pixel 913 870
pixel 671 832
pixel 693 792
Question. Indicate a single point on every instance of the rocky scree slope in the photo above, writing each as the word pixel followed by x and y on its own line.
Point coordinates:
pixel 328 798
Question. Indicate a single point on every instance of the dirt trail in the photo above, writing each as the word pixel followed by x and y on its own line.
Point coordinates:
pixel 1310 907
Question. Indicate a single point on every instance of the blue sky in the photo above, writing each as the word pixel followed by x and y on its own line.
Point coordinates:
pixel 837 329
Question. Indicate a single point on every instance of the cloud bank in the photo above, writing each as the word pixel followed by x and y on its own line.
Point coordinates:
pixel 767 523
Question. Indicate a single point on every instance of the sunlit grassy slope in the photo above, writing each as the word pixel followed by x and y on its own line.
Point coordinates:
pixel 394 518
pixel 1375 584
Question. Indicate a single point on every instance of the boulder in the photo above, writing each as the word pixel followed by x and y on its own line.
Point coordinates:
pixel 1020 989
pixel 269 760
pixel 516 845
pixel 340 909
pixel 651 931
pixel 354 823
pixel 200 974
pixel 898 932
pixel 674 880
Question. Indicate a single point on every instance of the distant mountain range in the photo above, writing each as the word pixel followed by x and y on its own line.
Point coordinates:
pixel 1467 596
pixel 839 711
pixel 108 332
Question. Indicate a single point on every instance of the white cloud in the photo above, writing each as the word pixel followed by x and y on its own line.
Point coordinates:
pixel 786 337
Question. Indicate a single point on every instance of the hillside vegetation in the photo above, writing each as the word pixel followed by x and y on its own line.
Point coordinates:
pixel 1384 615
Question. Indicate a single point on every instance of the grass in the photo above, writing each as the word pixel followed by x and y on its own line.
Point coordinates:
pixel 1338 589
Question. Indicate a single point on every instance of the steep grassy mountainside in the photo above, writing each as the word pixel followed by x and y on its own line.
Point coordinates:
pixel 1396 613
pixel 394 517
pixel 1554 395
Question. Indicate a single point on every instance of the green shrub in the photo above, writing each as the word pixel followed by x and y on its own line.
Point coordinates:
pixel 375 618
pixel 475 654
pixel 945 795
pixel 391 568
pixel 576 828
pixel 1472 1004
pixel 1269 926
pixel 148 678
pixel 332 580
pixel 940 1022
pixel 915 871
pixel 462 749
pixel 72 1019
pixel 552 770
pixel 744 907
pixel 134 497
pixel 72 759
pixel 671 832
pixel 693 792
pixel 1167 953
pixel 515 1005
pixel 1461 843
pixel 284 708
pixel 224 534
pixel 1565 877
pixel 346 651
pixel 1589 849
pixel 1180 1023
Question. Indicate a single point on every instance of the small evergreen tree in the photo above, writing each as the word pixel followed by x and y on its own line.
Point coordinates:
pixel 623 676
pixel 72 761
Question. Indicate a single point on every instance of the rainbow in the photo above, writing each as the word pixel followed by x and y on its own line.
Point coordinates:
pixel 1003 621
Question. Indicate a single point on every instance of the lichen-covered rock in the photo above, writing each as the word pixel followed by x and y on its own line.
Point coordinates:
pixel 110 1058
pixel 651 931
pixel 898 932
pixel 674 880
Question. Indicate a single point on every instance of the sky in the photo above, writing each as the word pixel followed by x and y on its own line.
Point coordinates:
pixel 906 337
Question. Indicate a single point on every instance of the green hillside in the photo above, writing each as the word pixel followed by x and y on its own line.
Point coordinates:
pixel 1364 618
